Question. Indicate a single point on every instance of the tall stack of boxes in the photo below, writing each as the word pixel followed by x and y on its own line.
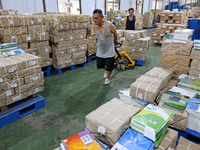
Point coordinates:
pixel 30 32
pixel 148 19
pixel 195 64
pixel 20 77
pixel 68 39
pixel 92 39
pixel 176 57
pixel 169 22
pixel 134 43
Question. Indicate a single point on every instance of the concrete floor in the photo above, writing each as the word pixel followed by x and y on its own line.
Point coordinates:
pixel 69 98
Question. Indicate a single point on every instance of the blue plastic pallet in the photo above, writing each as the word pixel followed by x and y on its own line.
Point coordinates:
pixel 89 59
pixel 59 71
pixel 47 70
pixel 153 26
pixel 139 62
pixel 21 109
pixel 188 134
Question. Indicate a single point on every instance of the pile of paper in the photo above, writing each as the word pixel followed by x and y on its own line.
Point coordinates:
pixel 152 122
pixel 133 140
pixel 197 44
pixel 189 82
pixel 173 102
pixel 193 110
pixel 182 35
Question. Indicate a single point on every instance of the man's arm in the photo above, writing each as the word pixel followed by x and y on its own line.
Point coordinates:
pixel 124 25
pixel 137 22
pixel 113 31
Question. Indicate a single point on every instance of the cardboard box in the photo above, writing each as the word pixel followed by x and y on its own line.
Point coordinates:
pixel 195 65
pixel 183 49
pixel 62 45
pixel 37 29
pixel 127 42
pixel 194 73
pixel 175 59
pixel 146 88
pixel 82 18
pixel 42 36
pixel 10 21
pixel 29 38
pixel 184 144
pixel 131 35
pixel 13 38
pixel 195 54
pixel 46 63
pixel 23 46
pixel 13 31
pixel 163 19
pixel 78 55
pixel 40 20
pixel 105 126
pixel 141 50
pixel 79 42
pixel 169 140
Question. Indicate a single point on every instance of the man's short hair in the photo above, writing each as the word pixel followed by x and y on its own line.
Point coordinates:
pixel 99 11
pixel 131 9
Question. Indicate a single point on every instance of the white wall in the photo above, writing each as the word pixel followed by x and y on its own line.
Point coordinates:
pixel 30 6
pixel 100 5
pixel 88 6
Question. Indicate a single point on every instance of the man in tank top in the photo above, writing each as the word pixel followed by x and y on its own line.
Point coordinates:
pixel 105 46
pixel 129 22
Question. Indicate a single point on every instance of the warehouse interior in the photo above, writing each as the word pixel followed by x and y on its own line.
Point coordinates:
pixel 73 94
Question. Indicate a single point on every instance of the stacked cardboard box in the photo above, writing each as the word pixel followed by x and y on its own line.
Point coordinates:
pixel 8 12
pixel 169 22
pixel 134 43
pixel 92 39
pixel 148 86
pixel 20 77
pixel 30 32
pixel 195 64
pixel 184 144
pixel 148 19
pixel 176 57
pixel 68 39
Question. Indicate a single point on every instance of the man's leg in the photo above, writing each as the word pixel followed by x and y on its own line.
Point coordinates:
pixel 109 67
pixel 108 74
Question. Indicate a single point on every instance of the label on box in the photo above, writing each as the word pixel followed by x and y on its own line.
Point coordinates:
pixel 10 22
pixel 177 14
pixel 118 146
pixel 11 12
pixel 162 21
pixel 32 22
pixel 48 62
pixel 161 34
pixel 120 35
pixel 13 37
pixel 34 53
pixel 150 133
pixel 35 78
pixel 61 39
pixel 199 75
pixel 32 62
pixel 17 98
pixel 177 21
pixel 61 26
pixel 140 96
pixel 141 49
pixel 170 27
pixel 170 21
pixel 46 49
pixel 1 79
pixel 39 20
pixel 43 33
pixel 161 42
pixel 132 35
pixel 73 49
pixel 154 34
pixel 8 93
pixel 13 85
pixel 12 69
pixel 36 90
pixel 28 38
pixel 164 26
pixel 101 130
pixel 167 31
pixel 81 36
pixel 62 52
pixel 87 139
pixel 155 41
pixel 133 50
pixel 163 15
pixel 71 37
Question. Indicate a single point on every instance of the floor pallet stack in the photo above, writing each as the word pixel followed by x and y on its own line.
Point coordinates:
pixel 148 19
pixel 134 43
pixel 68 39
pixel 169 22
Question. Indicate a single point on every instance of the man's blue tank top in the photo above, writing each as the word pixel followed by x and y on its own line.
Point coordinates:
pixel 130 24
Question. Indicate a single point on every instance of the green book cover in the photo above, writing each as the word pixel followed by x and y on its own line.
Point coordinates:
pixel 150 121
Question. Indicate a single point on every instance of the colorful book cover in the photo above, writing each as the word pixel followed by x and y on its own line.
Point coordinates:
pixel 151 120
pixel 132 140
pixel 81 141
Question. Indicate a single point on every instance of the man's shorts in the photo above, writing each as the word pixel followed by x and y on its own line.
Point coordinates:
pixel 108 62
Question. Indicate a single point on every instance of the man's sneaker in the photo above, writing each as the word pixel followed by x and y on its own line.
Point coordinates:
pixel 105 75
pixel 107 81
